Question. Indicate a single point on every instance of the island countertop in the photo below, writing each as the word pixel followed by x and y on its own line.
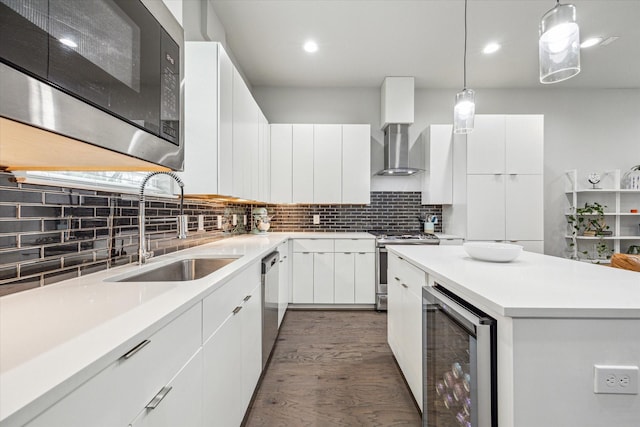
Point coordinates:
pixel 533 285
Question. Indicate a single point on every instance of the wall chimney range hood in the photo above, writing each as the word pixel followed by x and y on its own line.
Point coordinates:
pixel 396 109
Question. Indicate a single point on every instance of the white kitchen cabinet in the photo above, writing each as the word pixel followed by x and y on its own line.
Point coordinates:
pixel 233 353
pixel 486 207
pixel 225 124
pixel 365 277
pixel 182 401
pixel 264 157
pixel 498 185
pixel 245 140
pixel 356 170
pixel 327 164
pixel 344 278
pixel 333 271
pixel 323 278
pixel 437 179
pixel 354 271
pixel 251 345
pixel 302 278
pixel 283 280
pixel 397 100
pixel 118 394
pixel 486 145
pixel 404 320
pixel 281 162
pixel 222 385
pixel 303 170
pixel 506 144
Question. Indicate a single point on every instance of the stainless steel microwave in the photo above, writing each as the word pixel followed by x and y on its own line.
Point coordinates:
pixel 105 72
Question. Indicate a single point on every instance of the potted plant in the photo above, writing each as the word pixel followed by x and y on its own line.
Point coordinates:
pixel 589 221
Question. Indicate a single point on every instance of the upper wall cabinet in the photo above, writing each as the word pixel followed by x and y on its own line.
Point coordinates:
pixel 356 164
pixel 437 180
pixel 506 144
pixel 320 164
pixel 226 134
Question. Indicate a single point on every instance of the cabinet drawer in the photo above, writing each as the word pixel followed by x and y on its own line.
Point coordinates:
pixel 355 245
pixel 145 372
pixel 414 278
pixel 220 304
pixel 313 245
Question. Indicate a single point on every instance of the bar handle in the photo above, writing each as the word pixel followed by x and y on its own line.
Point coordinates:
pixel 136 349
pixel 237 310
pixel 158 397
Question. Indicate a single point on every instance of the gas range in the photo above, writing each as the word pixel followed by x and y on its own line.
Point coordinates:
pixel 386 238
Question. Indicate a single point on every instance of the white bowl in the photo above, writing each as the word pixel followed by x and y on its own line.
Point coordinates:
pixel 492 251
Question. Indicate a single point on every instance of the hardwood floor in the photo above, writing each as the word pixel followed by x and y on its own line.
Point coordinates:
pixel 333 368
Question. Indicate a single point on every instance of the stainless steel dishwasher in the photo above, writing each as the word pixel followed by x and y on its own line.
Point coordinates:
pixel 269 304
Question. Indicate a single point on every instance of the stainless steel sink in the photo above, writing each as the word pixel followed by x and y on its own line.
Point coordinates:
pixel 180 271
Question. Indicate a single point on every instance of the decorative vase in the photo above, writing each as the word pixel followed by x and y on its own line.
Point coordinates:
pixel 631 179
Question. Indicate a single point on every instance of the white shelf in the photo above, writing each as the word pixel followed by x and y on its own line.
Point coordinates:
pixel 619 200
pixel 604 237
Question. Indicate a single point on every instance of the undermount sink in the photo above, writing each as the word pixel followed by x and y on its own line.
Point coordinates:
pixel 180 271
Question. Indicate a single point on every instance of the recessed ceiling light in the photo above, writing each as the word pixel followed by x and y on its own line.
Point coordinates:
pixel 590 42
pixel 68 42
pixel 310 46
pixel 491 48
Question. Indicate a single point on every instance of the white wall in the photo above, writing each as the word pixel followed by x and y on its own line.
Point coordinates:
pixel 588 130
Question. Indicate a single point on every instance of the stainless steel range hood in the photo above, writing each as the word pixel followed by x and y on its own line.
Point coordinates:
pixel 396 151
pixel 396 108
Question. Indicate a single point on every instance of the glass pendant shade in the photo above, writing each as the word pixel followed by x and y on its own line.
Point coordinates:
pixel 559 45
pixel 464 111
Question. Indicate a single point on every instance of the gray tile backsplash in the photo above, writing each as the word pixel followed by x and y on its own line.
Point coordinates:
pixel 49 234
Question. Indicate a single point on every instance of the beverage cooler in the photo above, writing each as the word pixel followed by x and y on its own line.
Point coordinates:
pixel 459 362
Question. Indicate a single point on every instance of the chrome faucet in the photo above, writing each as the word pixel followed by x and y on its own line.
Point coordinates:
pixel 143 253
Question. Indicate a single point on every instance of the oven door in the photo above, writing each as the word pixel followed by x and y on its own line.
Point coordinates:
pixel 112 54
pixel 459 346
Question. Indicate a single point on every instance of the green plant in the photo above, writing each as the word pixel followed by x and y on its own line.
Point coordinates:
pixel 589 221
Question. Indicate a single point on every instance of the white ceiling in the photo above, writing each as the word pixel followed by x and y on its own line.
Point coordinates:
pixel 361 41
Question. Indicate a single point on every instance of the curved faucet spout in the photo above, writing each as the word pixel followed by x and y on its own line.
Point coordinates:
pixel 143 253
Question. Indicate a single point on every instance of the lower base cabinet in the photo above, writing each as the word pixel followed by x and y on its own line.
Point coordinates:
pixel 328 271
pixel 404 320
pixel 233 359
pixel 179 403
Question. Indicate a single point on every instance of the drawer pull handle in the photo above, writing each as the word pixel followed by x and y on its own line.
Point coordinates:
pixel 136 349
pixel 362 253
pixel 247 298
pixel 347 253
pixel 397 279
pixel 321 253
pixel 285 257
pixel 400 258
pixel 404 286
pixel 306 253
pixel 282 260
pixel 158 397
pixel 237 310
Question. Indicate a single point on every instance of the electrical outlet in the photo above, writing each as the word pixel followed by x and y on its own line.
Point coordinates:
pixel 200 222
pixel 316 219
pixel 219 220
pixel 612 379
pixel 244 220
pixel 234 219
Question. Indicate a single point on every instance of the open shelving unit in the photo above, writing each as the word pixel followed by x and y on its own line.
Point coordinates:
pixel 618 202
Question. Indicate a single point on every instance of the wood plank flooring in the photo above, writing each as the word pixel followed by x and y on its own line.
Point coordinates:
pixel 333 368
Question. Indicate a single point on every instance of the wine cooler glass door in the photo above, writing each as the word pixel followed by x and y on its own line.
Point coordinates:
pixel 459 363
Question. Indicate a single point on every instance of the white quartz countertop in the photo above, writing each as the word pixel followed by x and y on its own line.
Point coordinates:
pixel 533 285
pixel 54 338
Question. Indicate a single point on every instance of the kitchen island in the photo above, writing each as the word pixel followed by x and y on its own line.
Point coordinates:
pixel 556 319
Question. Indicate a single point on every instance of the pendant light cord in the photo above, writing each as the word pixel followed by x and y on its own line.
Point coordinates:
pixel 464 66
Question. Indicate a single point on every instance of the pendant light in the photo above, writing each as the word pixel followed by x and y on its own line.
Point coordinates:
pixel 559 45
pixel 465 108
